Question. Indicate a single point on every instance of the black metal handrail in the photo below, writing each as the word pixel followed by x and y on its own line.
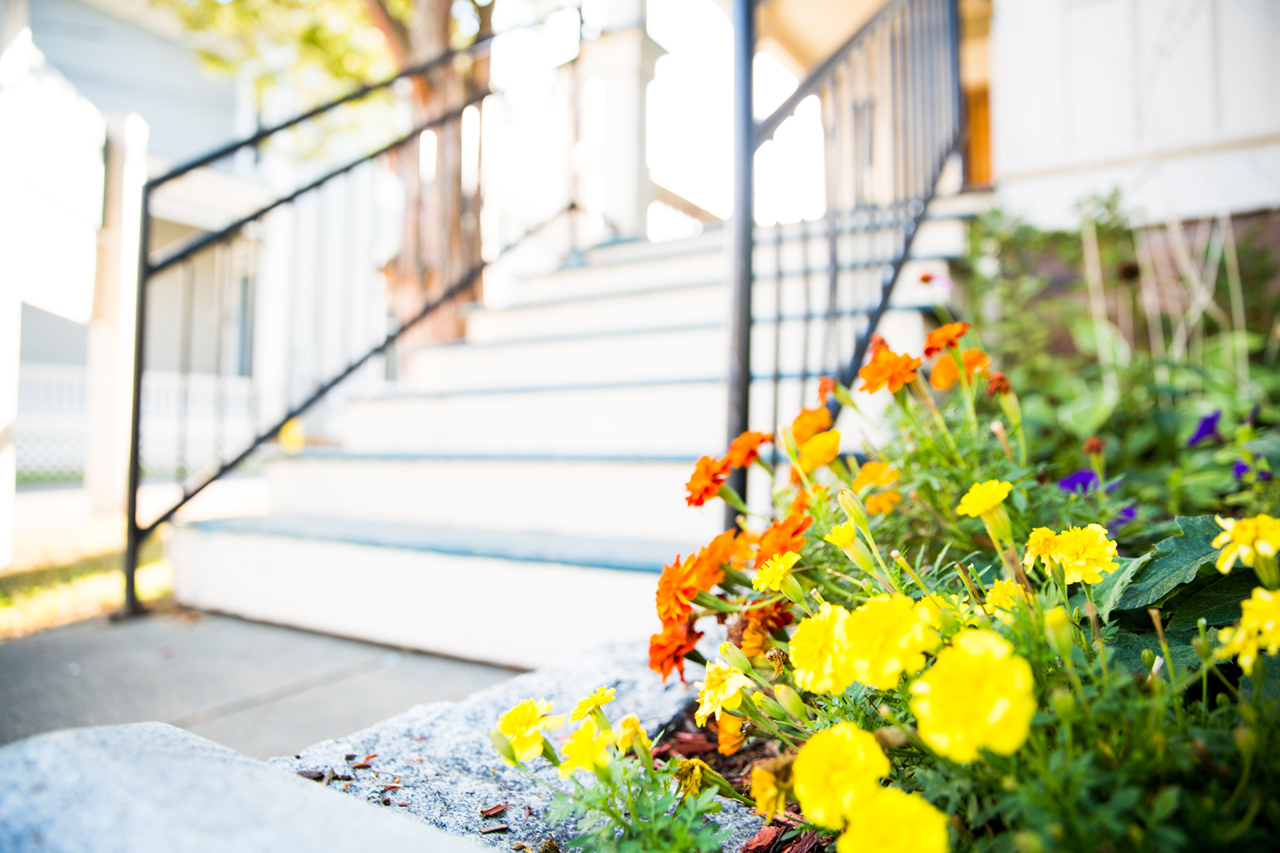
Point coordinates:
pixel 149 268
pixel 891 113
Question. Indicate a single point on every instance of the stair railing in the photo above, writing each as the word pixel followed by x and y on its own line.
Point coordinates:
pixel 198 295
pixel 891 115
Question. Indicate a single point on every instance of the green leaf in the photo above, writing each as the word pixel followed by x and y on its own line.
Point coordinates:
pixel 1175 561
pixel 1129 647
pixel 1106 595
pixel 1218 603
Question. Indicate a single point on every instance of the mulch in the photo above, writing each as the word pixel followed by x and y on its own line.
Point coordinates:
pixel 781 835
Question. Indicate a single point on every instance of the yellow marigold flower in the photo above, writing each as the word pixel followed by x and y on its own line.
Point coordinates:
pixel 602 696
pixel 819 651
pixel 729 736
pixel 819 450
pixel 1245 539
pixel 689 775
pixel 766 793
pixel 1041 544
pixel 982 498
pixel 936 605
pixel 836 771
pixel 774 570
pixel 842 535
pixel 874 474
pixel 722 691
pixel 1259 628
pixel 888 636
pixel 1085 554
pixel 883 503
pixel 898 821
pixel 586 749
pixel 1005 596
pixel 631 732
pixel 523 725
pixel 977 695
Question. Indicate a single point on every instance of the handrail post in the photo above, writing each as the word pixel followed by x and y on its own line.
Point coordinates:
pixel 742 233
pixel 133 533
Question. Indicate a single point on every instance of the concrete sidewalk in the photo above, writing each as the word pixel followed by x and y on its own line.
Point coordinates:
pixel 260 689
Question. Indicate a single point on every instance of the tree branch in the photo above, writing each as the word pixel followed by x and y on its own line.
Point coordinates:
pixel 392 29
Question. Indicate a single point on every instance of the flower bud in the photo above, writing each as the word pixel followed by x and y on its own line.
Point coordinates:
pixel 768 706
pixel 1246 739
pixel 1063 703
pixel 853 508
pixel 1148 659
pixel 790 587
pixel 1028 842
pixel 503 746
pixel 1201 648
pixel 734 657
pixel 788 443
pixel 861 556
pixel 791 701
pixel 890 737
pixel 1058 628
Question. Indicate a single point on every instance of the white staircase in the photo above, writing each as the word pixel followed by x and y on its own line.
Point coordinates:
pixel 517 500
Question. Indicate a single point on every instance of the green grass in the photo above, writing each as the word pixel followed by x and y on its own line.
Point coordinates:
pixel 47 597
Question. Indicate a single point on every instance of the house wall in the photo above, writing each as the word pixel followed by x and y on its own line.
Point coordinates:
pixel 122 67
pixel 1174 102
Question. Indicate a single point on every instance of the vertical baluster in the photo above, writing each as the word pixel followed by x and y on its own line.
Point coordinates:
pixel 184 367
pixel 777 335
pixel 831 103
pixel 222 271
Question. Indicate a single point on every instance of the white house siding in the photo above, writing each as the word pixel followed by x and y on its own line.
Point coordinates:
pixel 1174 102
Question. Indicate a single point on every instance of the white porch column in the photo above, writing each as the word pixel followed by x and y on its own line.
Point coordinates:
pixel 111 329
pixel 613 71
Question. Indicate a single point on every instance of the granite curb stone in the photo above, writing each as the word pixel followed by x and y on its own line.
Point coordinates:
pixel 150 786
pixel 437 763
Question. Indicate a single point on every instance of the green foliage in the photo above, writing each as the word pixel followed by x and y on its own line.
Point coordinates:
pixel 1175 561
pixel 633 809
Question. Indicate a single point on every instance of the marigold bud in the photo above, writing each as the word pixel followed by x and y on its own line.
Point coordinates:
pixel 999 384
pixel 1148 659
pixel 791 702
pixel 852 506
pixel 1058 628
pixel 1063 703
pixel 890 737
pixel 733 655
pixel 1094 446
pixel 1246 739
pixel 503 746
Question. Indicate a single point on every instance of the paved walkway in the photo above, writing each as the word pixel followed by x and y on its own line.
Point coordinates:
pixel 260 689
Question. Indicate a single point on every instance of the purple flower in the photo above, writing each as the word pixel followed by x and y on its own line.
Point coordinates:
pixel 1126 515
pixel 1083 480
pixel 1242 468
pixel 1208 428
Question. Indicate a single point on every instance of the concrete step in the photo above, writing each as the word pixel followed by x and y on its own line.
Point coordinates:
pixel 603 496
pixel 515 599
pixel 661 306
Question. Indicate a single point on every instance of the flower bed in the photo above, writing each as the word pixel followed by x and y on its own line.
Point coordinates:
pixel 944 647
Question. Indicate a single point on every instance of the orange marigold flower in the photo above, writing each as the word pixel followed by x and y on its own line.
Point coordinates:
pixel 758 625
pixel 782 536
pixel 708 476
pixel 676 589
pixel 729 734
pixel 876 344
pixel 874 474
pixel 667 650
pixel 888 368
pixel 809 423
pixel 727 547
pixel 944 337
pixel 999 384
pixel 883 503
pixel 945 373
pixel 745 449
pixel 826 387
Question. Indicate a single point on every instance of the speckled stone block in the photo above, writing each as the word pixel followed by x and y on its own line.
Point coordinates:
pixel 436 761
